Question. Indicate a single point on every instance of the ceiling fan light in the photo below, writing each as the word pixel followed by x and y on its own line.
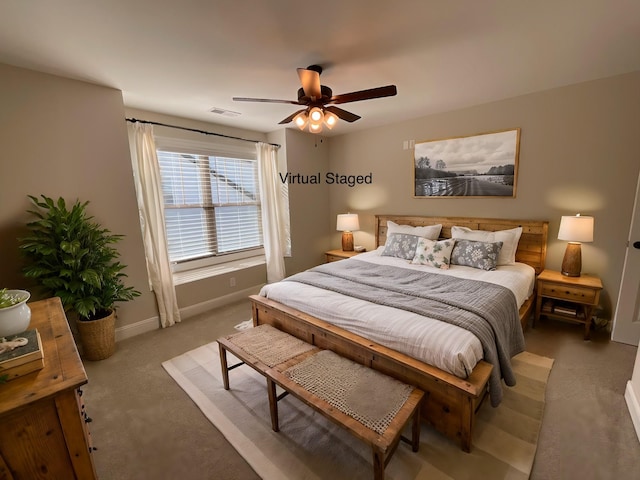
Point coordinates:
pixel 315 127
pixel 330 119
pixel 315 115
pixel 301 120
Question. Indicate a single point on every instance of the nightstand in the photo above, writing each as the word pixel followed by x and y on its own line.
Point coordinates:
pixel 335 255
pixel 567 298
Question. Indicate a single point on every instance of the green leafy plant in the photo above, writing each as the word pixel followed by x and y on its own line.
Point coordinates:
pixel 74 258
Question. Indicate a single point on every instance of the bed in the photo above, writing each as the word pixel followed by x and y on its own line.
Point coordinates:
pixel 454 392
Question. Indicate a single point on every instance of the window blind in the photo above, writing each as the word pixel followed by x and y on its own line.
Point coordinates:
pixel 212 204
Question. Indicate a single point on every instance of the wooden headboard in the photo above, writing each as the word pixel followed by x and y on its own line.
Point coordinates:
pixel 532 248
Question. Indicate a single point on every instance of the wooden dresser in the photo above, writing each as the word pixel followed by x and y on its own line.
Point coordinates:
pixel 43 424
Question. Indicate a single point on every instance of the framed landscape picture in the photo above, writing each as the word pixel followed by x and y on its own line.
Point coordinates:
pixel 483 165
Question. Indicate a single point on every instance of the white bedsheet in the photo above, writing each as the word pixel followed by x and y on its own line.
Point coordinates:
pixel 434 342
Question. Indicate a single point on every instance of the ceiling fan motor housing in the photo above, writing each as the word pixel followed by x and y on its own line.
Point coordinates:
pixel 326 92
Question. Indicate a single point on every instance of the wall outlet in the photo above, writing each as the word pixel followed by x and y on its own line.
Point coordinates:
pixel 232 282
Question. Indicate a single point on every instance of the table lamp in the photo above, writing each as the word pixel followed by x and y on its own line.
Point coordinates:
pixel 347 223
pixel 575 230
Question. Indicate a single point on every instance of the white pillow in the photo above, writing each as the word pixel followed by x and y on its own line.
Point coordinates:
pixel 432 232
pixel 509 239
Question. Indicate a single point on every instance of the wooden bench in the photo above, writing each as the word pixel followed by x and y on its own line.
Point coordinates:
pixel 286 352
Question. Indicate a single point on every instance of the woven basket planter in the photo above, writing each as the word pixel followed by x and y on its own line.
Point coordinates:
pixel 98 337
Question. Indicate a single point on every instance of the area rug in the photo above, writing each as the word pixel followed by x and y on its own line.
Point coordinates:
pixel 310 447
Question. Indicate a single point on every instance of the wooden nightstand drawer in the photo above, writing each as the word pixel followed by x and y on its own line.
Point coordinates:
pixel 565 292
pixel 333 258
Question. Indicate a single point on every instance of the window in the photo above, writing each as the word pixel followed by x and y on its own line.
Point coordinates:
pixel 211 204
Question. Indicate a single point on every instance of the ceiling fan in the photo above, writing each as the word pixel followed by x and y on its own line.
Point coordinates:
pixel 320 101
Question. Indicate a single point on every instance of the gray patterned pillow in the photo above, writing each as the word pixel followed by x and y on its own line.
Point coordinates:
pixel 401 245
pixel 483 255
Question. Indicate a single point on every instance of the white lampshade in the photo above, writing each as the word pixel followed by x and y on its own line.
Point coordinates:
pixel 576 229
pixel 301 120
pixel 315 127
pixel 330 119
pixel 347 222
pixel 316 115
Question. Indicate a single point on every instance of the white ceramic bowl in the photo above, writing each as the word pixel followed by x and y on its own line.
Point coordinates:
pixel 16 318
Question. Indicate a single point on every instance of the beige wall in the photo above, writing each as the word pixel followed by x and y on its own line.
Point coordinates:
pixel 578 153
pixel 65 138
pixel 308 154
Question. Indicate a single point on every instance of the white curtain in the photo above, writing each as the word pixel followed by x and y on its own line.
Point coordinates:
pixel 275 212
pixel 146 173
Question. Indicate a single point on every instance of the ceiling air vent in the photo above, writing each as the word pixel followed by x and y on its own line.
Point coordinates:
pixel 222 111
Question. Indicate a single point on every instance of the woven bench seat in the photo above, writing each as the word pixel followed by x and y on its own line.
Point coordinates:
pixel 370 405
pixel 261 348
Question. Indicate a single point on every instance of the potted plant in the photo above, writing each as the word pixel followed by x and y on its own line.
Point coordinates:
pixel 15 314
pixel 72 257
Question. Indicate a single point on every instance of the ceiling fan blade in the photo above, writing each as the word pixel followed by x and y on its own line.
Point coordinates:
pixel 343 114
pixel 387 91
pixel 265 100
pixel 310 80
pixel 291 117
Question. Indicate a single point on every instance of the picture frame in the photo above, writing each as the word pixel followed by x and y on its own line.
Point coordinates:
pixel 474 166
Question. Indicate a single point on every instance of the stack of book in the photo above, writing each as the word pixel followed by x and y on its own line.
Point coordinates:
pixel 565 310
pixel 547 306
pixel 22 360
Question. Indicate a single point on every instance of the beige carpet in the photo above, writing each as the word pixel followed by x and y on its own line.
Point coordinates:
pixel 310 447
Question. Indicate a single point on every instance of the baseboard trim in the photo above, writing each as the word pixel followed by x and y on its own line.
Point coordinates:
pixel 153 323
pixel 198 308
pixel 634 407
pixel 138 328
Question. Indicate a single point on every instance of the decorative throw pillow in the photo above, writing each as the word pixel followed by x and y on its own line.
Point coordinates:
pixel 431 232
pixel 483 255
pixel 433 253
pixel 400 245
pixel 509 239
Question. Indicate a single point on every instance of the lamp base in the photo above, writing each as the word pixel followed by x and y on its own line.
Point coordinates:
pixel 572 261
pixel 347 242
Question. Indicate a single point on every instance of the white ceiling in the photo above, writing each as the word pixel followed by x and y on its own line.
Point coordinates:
pixel 185 57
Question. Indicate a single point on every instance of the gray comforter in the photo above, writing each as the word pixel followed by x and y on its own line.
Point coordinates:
pixel 487 310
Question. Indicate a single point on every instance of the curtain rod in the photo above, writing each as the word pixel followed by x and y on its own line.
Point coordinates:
pixel 204 132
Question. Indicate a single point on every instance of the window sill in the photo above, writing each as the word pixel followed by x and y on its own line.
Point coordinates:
pixel 187 276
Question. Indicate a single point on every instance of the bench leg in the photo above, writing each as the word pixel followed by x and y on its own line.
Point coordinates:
pixel 415 430
pixel 378 464
pixel 273 404
pixel 225 367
